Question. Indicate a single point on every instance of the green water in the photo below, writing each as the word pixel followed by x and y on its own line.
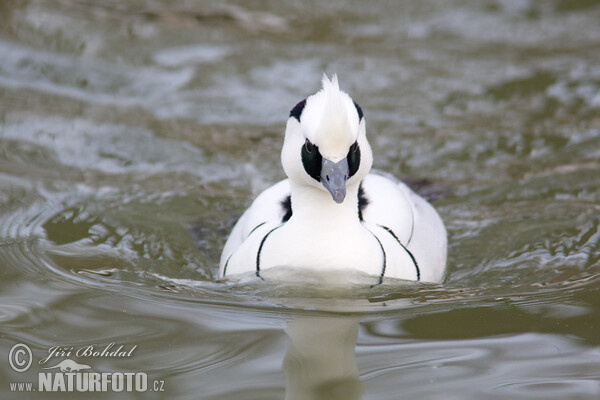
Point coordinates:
pixel 133 134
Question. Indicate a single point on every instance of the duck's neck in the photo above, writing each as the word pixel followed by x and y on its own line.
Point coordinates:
pixel 316 207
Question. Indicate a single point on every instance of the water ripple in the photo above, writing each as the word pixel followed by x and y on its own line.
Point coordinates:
pixel 92 80
pixel 525 366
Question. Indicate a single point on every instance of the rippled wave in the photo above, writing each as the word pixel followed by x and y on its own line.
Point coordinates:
pixel 133 135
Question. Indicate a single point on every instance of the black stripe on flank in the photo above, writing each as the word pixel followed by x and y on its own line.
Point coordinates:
pixel 412 228
pixel 380 281
pixel 256 227
pixel 226 263
pixel 296 112
pixel 229 258
pixel 262 242
pixel 391 232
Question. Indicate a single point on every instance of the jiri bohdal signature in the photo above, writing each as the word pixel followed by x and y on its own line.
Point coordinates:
pixel 92 350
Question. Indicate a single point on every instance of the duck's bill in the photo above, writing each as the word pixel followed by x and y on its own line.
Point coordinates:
pixel 334 177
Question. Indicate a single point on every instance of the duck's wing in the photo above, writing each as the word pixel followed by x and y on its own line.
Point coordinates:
pixel 271 208
pixel 390 204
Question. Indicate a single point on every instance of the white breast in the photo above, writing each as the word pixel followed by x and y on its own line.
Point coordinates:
pixel 397 224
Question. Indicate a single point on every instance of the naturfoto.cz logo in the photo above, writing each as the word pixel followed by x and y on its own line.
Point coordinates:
pixel 69 375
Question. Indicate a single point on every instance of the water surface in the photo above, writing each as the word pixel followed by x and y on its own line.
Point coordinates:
pixel 132 135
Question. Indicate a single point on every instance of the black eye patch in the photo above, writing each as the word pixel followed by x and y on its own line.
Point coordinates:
pixel 312 160
pixel 353 159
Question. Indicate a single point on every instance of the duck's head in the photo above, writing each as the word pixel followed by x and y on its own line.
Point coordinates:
pixel 325 142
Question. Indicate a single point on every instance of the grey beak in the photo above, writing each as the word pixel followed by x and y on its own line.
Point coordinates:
pixel 334 177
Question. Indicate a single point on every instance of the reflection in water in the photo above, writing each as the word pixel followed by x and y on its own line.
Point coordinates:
pixel 320 361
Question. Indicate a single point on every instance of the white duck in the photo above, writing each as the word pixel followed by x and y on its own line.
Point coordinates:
pixel 332 214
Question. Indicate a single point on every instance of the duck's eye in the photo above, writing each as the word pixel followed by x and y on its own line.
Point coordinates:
pixel 308 145
pixel 354 147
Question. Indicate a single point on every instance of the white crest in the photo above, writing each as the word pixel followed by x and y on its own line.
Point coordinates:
pixel 330 85
pixel 331 119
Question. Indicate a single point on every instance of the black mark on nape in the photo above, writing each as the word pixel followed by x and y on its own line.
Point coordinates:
pixel 363 201
pixel 287 209
pixel 296 112
pixel 312 160
pixel 359 111
pixel 353 159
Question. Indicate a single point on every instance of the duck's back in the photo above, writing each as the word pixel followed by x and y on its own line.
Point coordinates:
pixel 391 205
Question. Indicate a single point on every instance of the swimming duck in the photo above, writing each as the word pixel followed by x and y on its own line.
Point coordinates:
pixel 333 213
